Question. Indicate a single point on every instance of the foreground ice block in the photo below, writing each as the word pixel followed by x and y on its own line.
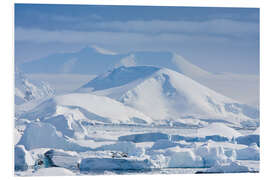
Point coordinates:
pixel 250 153
pixel 23 159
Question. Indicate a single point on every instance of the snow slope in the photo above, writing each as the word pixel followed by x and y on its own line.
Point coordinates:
pixel 70 113
pixel 242 87
pixel 163 94
pixel 94 60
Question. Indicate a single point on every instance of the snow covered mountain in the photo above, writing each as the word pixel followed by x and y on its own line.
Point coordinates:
pixel 164 94
pixel 89 60
pixel 241 87
pixel 94 60
pixel 27 90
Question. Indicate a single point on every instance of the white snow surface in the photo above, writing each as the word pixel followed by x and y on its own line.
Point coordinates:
pixel 218 129
pixel 242 87
pixel 101 106
pixel 173 95
pixel 53 171
pixel 86 107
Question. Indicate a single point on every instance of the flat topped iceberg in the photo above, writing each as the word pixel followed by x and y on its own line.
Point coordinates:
pixel 103 164
pixel 219 129
pixel 145 137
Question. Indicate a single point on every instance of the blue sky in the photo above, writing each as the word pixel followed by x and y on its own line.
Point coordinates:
pixel 216 39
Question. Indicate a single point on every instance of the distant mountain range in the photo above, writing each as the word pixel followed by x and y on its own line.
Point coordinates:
pixel 95 60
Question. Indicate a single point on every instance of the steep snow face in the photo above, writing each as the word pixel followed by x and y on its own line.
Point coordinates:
pixel 22 158
pixel 164 94
pixel 27 90
pixel 70 112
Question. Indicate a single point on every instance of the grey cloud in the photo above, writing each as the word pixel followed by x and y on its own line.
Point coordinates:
pixel 44 36
pixel 128 40
pixel 220 26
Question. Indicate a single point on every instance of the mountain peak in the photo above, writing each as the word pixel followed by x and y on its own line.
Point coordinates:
pixel 96 49
pixel 187 68
pixel 103 51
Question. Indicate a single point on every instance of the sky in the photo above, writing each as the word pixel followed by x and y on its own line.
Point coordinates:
pixel 216 39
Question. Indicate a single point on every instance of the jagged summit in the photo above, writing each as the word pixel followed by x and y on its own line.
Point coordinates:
pixel 27 90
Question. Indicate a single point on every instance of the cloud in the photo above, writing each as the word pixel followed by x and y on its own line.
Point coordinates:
pixel 218 26
pixel 127 61
pixel 96 37
pixel 70 19
pixel 150 34
pixel 221 27
pixel 131 40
